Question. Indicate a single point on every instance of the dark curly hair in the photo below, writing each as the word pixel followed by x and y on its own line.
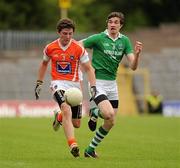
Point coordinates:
pixel 65 23
pixel 117 14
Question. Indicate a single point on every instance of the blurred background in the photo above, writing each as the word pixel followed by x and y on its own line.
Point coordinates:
pixel 27 26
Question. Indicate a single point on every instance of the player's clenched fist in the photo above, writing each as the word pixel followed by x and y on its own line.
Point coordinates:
pixel 138 47
pixel 38 88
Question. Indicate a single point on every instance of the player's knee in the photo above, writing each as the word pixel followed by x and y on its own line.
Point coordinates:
pixel 109 115
pixel 112 122
pixel 76 123
pixel 66 111
pixel 106 109
pixel 108 124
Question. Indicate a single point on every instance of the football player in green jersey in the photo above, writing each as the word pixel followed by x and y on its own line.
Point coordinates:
pixel 108 47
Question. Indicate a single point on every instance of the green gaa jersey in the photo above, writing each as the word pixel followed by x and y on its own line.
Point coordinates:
pixel 107 53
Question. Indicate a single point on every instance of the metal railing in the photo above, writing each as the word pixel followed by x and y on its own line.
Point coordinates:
pixel 18 40
pixel 23 40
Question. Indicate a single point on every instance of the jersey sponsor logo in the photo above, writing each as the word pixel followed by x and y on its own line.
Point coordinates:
pixel 63 67
pixel 110 52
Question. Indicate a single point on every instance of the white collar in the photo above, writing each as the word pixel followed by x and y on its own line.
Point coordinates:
pixel 107 33
pixel 64 47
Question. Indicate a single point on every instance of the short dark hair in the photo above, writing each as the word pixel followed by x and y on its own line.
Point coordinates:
pixel 65 23
pixel 120 15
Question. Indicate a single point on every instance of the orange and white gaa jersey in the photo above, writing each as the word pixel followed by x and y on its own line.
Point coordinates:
pixel 65 61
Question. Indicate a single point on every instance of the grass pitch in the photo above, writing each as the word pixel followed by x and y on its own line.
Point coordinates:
pixel 134 142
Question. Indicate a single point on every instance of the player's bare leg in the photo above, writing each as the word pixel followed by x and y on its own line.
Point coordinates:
pixel 69 129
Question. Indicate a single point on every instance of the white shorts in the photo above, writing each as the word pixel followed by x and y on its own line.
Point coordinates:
pixel 62 85
pixel 108 88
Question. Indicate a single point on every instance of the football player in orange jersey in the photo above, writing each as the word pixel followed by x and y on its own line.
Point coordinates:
pixel 66 56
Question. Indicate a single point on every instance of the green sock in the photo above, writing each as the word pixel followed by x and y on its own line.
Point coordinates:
pixel 89 149
pixel 99 136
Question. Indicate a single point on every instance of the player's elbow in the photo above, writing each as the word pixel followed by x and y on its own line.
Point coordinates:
pixel 134 68
pixel 89 69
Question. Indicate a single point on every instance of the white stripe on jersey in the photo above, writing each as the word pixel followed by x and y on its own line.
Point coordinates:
pixel 85 57
pixel 75 71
